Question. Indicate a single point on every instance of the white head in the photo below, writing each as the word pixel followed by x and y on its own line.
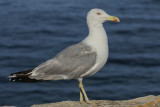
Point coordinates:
pixel 98 16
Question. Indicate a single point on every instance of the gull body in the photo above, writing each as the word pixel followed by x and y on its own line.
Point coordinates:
pixel 77 61
pixel 97 39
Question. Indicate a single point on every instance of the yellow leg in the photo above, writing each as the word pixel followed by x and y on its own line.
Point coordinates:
pixel 83 91
pixel 81 95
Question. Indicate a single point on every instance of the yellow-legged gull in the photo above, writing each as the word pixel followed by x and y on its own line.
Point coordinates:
pixel 77 61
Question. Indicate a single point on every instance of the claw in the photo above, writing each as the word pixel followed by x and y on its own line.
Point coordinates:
pixel 88 101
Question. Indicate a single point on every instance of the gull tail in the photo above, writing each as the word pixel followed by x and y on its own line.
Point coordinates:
pixel 22 76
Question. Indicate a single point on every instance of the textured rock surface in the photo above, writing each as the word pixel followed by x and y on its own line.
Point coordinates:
pixel 148 101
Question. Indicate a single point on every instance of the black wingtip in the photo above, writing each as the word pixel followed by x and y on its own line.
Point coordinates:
pixel 23 76
pixel 23 79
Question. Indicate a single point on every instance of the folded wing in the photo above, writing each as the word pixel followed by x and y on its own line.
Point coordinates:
pixel 71 63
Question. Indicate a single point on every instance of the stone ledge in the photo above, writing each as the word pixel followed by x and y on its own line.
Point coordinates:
pixel 147 101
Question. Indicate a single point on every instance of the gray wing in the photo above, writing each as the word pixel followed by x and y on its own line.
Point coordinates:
pixel 71 63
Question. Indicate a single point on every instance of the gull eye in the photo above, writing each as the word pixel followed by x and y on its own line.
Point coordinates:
pixel 98 13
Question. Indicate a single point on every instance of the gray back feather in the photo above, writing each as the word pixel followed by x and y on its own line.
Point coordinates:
pixel 71 63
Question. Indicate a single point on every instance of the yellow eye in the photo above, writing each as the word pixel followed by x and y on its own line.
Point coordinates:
pixel 98 13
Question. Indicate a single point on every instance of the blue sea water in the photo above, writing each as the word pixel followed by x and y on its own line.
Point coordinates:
pixel 33 31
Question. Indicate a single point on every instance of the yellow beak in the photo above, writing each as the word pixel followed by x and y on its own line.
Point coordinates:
pixel 113 18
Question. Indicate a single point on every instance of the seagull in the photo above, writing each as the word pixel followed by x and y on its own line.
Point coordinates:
pixel 77 61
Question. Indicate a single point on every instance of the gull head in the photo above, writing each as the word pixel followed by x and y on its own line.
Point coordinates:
pixel 98 16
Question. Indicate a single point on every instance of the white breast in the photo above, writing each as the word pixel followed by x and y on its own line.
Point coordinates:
pixel 97 39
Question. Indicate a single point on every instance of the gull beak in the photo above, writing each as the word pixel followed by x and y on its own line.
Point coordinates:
pixel 113 18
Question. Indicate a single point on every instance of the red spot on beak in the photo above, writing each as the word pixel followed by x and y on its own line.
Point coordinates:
pixel 115 20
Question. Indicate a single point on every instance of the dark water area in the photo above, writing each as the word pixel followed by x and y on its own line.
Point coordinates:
pixel 33 31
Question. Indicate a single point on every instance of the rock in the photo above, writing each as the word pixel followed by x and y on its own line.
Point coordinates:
pixel 147 101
